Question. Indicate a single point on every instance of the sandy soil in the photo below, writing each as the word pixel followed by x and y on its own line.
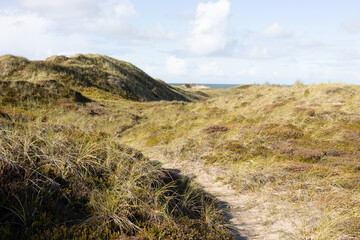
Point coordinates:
pixel 251 215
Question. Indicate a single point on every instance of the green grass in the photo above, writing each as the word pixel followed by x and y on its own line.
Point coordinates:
pixel 295 146
pixel 119 79
pixel 284 139
pixel 62 182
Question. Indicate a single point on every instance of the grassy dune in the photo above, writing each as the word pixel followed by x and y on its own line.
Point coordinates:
pixel 295 148
pixel 65 173
pixel 89 72
pixel 60 182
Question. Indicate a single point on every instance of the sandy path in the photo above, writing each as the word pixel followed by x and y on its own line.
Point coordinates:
pixel 250 216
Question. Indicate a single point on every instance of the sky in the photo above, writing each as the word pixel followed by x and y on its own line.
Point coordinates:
pixel 196 41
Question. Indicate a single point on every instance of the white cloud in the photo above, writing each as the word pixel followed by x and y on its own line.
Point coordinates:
pixel 30 35
pixel 258 53
pixel 276 31
pixel 210 69
pixel 301 40
pixel 112 19
pixel 157 33
pixel 351 54
pixel 120 8
pixel 61 9
pixel 260 48
pixel 109 19
pixel 91 15
pixel 252 72
pixel 209 33
pixel 306 42
pixel 351 25
pixel 88 9
pixel 176 66
pixel 333 70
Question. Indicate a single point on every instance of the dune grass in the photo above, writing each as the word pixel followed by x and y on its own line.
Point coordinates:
pixel 88 72
pixel 60 181
pixel 297 146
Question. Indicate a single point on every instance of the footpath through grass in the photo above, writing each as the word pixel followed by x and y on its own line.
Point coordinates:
pixel 296 148
pixel 72 180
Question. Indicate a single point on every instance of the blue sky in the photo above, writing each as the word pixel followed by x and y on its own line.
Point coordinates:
pixel 218 41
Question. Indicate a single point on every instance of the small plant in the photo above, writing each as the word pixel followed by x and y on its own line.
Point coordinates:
pixel 216 129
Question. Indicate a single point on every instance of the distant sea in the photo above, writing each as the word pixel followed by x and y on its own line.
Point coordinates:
pixel 209 85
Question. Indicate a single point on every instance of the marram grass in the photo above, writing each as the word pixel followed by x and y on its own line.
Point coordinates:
pixel 60 182
pixel 296 147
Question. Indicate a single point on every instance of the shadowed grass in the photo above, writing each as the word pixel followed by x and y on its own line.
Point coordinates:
pixel 61 182
pixel 296 147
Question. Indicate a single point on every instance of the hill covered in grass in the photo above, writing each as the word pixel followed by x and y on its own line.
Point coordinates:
pixel 293 152
pixel 61 182
pixel 48 91
pixel 91 74
pixel 60 179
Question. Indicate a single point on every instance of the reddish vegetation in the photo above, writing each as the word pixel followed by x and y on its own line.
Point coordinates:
pixel 216 129
pixel 301 153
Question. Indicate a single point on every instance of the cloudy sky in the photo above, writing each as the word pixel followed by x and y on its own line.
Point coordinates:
pixel 202 41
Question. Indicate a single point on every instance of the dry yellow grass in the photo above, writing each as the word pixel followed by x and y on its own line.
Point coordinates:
pixel 296 148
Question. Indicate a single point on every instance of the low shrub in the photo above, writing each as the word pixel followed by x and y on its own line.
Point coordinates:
pixel 216 129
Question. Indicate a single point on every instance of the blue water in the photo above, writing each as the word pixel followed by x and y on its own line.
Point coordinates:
pixel 209 85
